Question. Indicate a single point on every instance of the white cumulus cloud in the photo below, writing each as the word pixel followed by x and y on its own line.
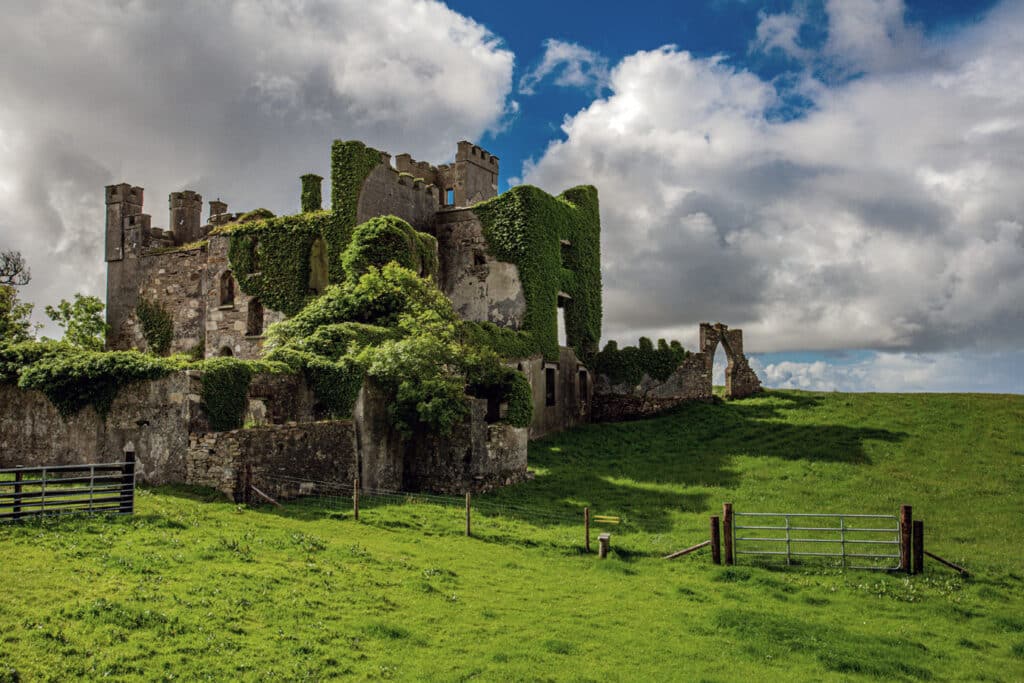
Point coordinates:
pixel 888 215
pixel 570 64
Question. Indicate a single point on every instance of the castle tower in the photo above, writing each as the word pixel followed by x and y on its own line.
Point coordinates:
pixel 475 175
pixel 127 232
pixel 217 208
pixel 186 216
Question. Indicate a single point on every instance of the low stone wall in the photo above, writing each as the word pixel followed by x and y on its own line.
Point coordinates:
pixel 691 381
pixel 156 416
pixel 312 451
pixel 476 457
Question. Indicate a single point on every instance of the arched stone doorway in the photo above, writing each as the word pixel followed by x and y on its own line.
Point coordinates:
pixel 740 379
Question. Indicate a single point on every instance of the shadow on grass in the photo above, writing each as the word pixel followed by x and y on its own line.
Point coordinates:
pixel 636 469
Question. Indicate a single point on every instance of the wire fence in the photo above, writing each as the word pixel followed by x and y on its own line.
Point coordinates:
pixel 558 526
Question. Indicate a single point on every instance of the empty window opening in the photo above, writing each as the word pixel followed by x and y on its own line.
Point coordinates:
pixel 549 386
pixel 318 267
pixel 254 255
pixel 493 409
pixel 225 351
pixel 566 254
pixel 479 258
pixel 563 330
pixel 254 325
pixel 227 289
pixel 449 197
pixel 583 386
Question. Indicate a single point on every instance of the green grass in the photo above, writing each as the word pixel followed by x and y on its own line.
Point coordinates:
pixel 193 587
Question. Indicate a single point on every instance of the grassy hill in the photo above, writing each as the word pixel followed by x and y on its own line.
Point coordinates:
pixel 193 587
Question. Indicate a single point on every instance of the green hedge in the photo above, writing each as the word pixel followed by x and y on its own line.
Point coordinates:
pixel 525 226
pixel 631 363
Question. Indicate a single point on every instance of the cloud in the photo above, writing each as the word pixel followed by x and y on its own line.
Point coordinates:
pixel 781 32
pixel 888 215
pixel 234 99
pixel 573 66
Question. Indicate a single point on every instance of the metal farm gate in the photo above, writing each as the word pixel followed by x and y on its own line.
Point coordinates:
pixel 872 541
pixel 27 492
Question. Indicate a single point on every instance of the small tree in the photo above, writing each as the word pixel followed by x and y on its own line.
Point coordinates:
pixel 15 317
pixel 82 321
pixel 13 270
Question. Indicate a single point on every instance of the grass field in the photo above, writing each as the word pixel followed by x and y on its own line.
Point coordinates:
pixel 193 587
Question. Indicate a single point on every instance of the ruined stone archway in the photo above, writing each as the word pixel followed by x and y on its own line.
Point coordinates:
pixel 740 379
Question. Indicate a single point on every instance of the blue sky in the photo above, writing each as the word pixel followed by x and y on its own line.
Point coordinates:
pixel 840 178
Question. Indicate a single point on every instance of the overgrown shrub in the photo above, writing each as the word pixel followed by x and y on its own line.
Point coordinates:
pixel 384 239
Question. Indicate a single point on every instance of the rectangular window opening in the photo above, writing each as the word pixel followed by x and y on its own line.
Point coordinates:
pixel 449 197
pixel 549 386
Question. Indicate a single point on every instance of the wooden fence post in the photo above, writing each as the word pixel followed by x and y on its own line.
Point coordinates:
pixel 355 498
pixel 716 541
pixel 128 480
pixel 906 519
pixel 727 531
pixel 918 546
pixel 468 529
pixel 586 529
pixel 17 496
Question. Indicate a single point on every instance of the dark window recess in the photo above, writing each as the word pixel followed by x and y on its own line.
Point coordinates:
pixel 227 289
pixel 583 386
pixel 549 386
pixel 566 255
pixel 493 409
pixel 225 351
pixel 254 325
pixel 449 197
pixel 479 259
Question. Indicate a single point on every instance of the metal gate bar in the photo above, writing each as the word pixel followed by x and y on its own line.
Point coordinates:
pixel 841 539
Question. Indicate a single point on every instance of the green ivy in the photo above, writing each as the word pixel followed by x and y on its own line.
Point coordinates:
pixel 630 364
pixel 225 383
pixel 16 357
pixel 400 330
pixel 351 163
pixel 74 380
pixel 384 239
pixel 157 326
pixel 311 199
pixel 526 226
pixel 282 244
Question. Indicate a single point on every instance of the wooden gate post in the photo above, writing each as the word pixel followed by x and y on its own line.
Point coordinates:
pixel 586 529
pixel 468 529
pixel 17 496
pixel 355 498
pixel 716 541
pixel 906 520
pixel 127 502
pixel 918 546
pixel 727 531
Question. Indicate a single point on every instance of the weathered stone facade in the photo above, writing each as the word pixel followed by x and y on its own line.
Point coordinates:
pixel 156 417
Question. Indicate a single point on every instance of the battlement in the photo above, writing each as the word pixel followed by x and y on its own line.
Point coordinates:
pixel 467 151
pixel 124 193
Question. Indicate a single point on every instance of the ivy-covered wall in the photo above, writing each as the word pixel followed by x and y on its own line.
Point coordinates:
pixel 311 198
pixel 629 364
pixel 556 243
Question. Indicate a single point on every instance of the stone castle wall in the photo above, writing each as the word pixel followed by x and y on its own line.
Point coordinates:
pixel 156 416
pixel 274 458
pixel 480 287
